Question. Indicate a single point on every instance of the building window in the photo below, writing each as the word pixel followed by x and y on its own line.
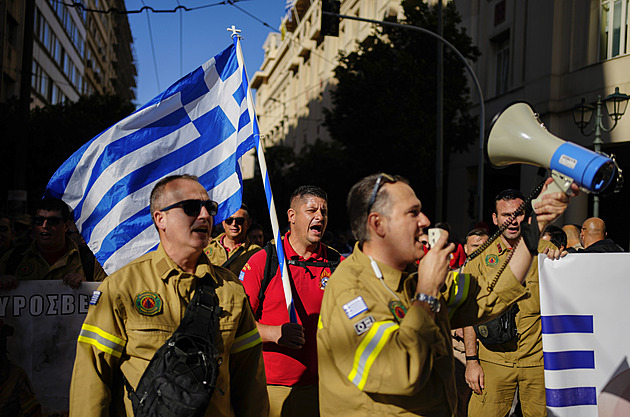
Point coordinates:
pixel 502 69
pixel 613 31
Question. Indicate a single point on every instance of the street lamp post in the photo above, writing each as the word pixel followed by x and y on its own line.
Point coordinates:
pixel 616 104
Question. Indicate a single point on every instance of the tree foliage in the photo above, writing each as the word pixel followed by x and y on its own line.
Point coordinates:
pixel 384 106
pixel 53 134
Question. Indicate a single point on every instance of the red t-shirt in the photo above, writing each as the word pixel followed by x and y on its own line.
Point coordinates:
pixel 285 366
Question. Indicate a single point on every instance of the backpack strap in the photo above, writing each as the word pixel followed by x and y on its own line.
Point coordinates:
pixel 271 266
pixel 238 252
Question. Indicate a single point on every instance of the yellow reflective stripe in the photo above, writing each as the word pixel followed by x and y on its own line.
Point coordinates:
pixel 320 325
pixel 246 341
pixel 368 351
pixel 458 293
pixel 102 340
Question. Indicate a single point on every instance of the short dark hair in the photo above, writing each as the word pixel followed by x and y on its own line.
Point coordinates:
pixel 557 235
pixel 507 195
pixel 477 232
pixel 358 201
pixel 54 204
pixel 305 190
pixel 155 201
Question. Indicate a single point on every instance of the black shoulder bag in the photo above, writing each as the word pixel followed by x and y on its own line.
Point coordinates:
pixel 181 376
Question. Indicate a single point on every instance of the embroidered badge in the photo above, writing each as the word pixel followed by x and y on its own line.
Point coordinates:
pixel 26 269
pixel 241 276
pixel 95 296
pixel 492 260
pixel 148 303
pixel 355 307
pixel 483 330
pixel 323 278
pixel 208 251
pixel 398 310
pixel 363 325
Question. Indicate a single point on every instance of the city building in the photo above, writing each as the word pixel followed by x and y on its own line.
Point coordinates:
pixel 75 51
pixel 294 81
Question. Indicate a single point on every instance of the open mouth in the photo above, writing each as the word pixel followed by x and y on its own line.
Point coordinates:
pixel 317 228
pixel 201 229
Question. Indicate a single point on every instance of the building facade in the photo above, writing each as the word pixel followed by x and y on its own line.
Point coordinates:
pixel 294 81
pixel 75 51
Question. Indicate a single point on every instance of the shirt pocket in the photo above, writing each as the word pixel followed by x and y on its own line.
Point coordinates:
pixel 145 337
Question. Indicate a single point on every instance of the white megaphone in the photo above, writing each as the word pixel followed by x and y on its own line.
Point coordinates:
pixel 517 136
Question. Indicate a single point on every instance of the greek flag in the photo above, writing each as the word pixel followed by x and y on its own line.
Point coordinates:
pixel 201 125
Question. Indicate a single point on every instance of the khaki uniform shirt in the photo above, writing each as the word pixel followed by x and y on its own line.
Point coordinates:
pixel 381 356
pixel 218 254
pixel 526 349
pixel 121 333
pixel 34 267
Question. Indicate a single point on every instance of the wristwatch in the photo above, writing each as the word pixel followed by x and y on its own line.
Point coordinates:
pixel 433 302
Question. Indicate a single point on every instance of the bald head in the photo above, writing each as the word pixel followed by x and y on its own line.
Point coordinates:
pixel 593 230
pixel 573 235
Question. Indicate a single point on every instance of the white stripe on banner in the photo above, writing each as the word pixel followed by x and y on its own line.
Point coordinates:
pixel 201 125
pixel 583 299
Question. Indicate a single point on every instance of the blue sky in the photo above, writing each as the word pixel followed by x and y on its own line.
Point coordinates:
pixel 203 35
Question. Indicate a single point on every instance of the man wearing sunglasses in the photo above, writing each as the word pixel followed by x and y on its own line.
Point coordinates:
pixel 52 255
pixel 232 248
pixel 139 307
pixel 383 339
pixel 290 349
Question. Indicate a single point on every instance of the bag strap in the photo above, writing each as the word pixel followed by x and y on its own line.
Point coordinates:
pixel 238 252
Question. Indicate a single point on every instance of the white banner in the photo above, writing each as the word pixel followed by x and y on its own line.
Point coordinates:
pixel 584 301
pixel 47 317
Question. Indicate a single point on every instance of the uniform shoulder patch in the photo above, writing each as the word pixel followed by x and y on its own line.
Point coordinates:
pixel 148 303
pixel 398 310
pixel 355 307
pixel 95 296
pixel 323 278
pixel 26 269
pixel 241 276
pixel 363 325
pixel 492 260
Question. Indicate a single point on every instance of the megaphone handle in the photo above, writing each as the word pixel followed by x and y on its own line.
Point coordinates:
pixel 561 183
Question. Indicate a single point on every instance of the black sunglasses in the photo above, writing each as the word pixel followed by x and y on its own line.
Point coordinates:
pixel 52 220
pixel 380 181
pixel 238 220
pixel 192 208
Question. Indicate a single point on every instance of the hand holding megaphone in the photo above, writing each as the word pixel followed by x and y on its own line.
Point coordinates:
pixel 517 136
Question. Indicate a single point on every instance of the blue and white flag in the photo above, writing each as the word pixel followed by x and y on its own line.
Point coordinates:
pixel 201 125
pixel 586 344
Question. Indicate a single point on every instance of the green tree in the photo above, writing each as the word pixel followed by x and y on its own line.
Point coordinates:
pixel 55 132
pixel 384 106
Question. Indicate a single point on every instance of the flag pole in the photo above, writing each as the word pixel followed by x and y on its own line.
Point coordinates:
pixel 275 226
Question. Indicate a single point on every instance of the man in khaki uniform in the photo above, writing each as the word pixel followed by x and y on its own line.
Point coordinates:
pixel 52 255
pixel 384 342
pixel 501 368
pixel 232 249
pixel 138 308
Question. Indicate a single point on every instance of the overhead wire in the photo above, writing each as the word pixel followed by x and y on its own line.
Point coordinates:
pixel 181 41
pixel 155 67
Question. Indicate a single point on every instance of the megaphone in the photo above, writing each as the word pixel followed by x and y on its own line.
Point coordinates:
pixel 517 136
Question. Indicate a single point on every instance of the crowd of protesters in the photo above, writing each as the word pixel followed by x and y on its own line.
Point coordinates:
pixel 308 364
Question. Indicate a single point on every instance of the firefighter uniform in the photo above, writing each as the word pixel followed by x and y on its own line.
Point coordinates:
pixel 136 310
pixel 218 254
pixel 381 356
pixel 520 361
pixel 33 266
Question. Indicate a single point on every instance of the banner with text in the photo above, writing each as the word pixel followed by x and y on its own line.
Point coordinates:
pixel 586 342
pixel 46 317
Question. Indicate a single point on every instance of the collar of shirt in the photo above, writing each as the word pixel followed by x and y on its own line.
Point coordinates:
pixel 167 268
pixel 290 253
pixel 221 238
pixel 392 277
